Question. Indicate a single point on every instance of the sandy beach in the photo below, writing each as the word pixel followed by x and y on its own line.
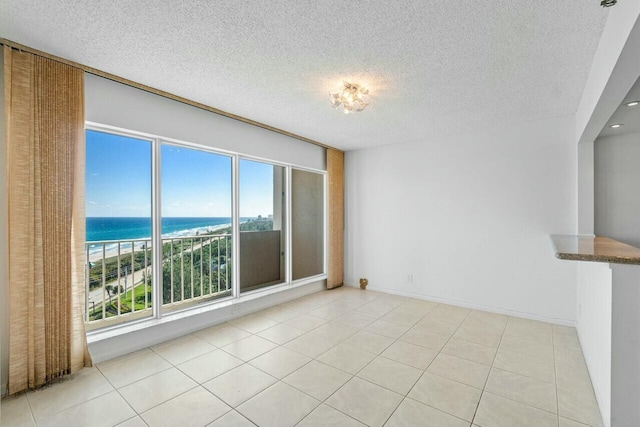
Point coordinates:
pixel 125 247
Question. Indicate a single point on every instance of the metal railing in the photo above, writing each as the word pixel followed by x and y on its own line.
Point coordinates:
pixel 118 275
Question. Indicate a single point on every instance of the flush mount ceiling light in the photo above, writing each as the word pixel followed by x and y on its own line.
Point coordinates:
pixel 616 126
pixel 350 98
pixel 632 103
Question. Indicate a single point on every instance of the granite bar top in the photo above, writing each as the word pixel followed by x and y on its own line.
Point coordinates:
pixel 595 248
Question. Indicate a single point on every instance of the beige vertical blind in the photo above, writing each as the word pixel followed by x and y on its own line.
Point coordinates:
pixel 44 103
pixel 335 244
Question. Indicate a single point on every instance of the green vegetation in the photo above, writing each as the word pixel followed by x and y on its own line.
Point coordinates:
pixel 209 254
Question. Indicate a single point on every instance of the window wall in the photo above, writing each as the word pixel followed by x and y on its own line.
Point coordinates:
pixel 219 225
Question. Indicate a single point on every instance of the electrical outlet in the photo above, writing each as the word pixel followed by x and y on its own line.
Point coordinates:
pixel 410 278
pixel 235 309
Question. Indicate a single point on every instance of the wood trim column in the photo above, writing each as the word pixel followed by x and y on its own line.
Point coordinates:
pixel 335 220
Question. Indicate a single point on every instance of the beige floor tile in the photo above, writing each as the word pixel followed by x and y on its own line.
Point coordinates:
pixel 402 317
pixel 496 411
pixel 355 319
pixel 156 389
pixel 280 362
pixel 390 374
pixel 182 349
pixel 278 406
pixel 530 330
pixel 366 402
pixel 131 368
pixel 253 323
pixel 527 390
pixel 376 308
pixel 104 411
pixel 449 313
pixel 417 306
pixel 279 313
pixel 311 344
pixel 565 422
pixel 281 333
pixel 222 335
pixel 579 406
pixel 336 330
pixel 354 335
pixel 410 354
pixel 528 359
pixel 479 333
pixel 209 365
pixel 387 329
pixel 232 419
pixel 419 335
pixel 195 408
pixel 471 351
pixel 369 342
pixel 447 395
pixel 249 348
pixel 461 370
pixel 347 358
pixel 15 411
pixel 317 379
pixel 564 330
pixel 133 422
pixel 326 416
pixel 566 342
pixel 491 320
pixel 411 414
pixel 239 384
pixel 306 322
pixel 328 311
pixel 572 371
pixel 87 384
pixel 438 326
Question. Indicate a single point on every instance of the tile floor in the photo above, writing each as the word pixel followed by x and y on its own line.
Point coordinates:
pixel 344 357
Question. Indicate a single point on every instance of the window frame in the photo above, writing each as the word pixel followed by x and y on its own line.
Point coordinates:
pixel 158 315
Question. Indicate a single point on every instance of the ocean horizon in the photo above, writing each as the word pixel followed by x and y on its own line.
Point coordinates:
pixel 123 228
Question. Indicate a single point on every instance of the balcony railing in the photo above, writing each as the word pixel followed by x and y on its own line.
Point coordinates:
pixel 118 275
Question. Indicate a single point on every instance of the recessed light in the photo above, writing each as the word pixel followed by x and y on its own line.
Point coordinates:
pixel 632 103
pixel 616 126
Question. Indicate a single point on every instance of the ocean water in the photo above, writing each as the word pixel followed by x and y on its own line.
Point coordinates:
pixel 102 228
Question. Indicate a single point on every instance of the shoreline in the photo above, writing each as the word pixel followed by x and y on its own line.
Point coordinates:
pixel 125 244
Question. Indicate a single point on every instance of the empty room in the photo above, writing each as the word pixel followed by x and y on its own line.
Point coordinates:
pixel 320 213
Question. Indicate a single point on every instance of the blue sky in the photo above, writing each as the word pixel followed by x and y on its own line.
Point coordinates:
pixel 194 183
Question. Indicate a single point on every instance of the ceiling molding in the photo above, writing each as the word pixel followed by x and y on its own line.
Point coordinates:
pixel 162 93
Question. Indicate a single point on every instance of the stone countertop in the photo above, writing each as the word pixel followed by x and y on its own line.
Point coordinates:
pixel 595 248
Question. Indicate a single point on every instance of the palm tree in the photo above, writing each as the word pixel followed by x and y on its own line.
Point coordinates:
pixel 109 289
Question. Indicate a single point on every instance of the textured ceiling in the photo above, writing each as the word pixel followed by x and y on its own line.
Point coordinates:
pixel 434 67
pixel 629 117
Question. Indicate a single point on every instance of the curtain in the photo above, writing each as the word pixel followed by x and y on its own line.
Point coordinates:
pixel 335 222
pixel 44 107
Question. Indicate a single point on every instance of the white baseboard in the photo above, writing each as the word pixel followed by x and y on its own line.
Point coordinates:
pixel 119 345
pixel 514 313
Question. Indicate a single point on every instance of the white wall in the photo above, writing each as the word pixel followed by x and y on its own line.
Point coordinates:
pixel 4 250
pixel 585 188
pixel 114 104
pixel 617 183
pixel 470 217
pixel 594 328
